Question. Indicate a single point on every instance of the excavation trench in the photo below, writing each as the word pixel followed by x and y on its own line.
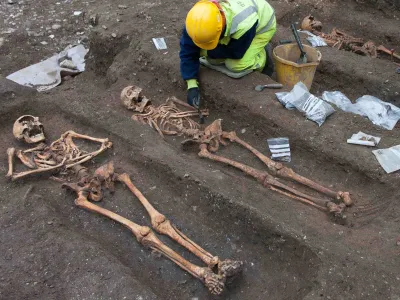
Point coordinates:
pixel 214 205
pixel 52 249
pixel 276 265
pixel 313 150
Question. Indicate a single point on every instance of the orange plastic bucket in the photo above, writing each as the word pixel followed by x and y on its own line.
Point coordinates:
pixel 288 72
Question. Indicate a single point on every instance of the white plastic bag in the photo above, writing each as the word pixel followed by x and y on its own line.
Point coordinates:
pixel 364 139
pixel 389 158
pixel 283 100
pixel 380 113
pixel 313 107
pixel 314 40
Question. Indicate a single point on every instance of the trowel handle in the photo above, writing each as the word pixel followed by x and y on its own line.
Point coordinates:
pixel 273 86
pixel 296 36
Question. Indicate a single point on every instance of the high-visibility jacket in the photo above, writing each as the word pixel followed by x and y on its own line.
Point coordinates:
pixel 241 16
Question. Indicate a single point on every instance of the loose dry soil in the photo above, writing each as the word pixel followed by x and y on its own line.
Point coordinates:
pixel 51 249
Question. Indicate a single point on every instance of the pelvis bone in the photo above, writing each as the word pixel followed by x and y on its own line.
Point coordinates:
pixel 29 129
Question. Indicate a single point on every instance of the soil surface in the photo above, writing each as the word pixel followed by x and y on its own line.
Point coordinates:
pixel 52 249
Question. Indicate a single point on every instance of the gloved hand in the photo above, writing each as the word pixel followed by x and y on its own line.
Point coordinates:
pixel 193 97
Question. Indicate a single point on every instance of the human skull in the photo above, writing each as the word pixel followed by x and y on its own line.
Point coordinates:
pixel 311 24
pixel 29 129
pixel 132 98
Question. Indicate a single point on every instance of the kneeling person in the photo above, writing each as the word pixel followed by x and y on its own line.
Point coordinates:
pixel 233 32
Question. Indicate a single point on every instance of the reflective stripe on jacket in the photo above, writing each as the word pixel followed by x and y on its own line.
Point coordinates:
pixel 241 15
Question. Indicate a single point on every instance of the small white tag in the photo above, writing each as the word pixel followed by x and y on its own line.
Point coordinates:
pixel 160 43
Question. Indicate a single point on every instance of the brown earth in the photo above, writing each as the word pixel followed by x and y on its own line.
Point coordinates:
pixel 54 250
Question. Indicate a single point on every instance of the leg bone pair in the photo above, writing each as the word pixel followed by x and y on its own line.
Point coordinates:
pixel 163 226
pixel 280 170
pixel 270 182
pixel 214 282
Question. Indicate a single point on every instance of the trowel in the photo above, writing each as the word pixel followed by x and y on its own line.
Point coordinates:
pixel 303 58
pixel 261 87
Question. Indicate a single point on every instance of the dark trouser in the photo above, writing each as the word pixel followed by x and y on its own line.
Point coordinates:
pixel 269 65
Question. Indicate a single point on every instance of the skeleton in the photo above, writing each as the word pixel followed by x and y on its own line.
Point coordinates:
pixel 63 153
pixel 212 137
pixel 214 275
pixel 167 118
pixel 340 40
pixel 28 128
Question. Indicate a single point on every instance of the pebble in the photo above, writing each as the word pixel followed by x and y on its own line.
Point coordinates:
pixel 51 36
pixel 122 6
pixel 186 175
pixel 104 27
pixel 10 2
pixel 55 26
pixel 113 35
pixel 49 223
pixel 1 41
pixel 44 43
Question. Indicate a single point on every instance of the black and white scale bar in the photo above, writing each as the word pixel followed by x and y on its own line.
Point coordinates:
pixel 279 147
pixel 283 154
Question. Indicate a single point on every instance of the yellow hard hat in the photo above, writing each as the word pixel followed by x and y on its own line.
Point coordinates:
pixel 204 24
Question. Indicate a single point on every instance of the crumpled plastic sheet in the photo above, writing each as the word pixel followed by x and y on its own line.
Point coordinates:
pixel 314 40
pixel 380 113
pixel 389 158
pixel 47 74
pixel 314 108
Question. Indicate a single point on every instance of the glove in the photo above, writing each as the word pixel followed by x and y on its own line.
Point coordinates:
pixel 193 97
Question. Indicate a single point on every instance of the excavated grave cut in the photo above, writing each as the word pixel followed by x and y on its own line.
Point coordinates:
pixel 276 266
